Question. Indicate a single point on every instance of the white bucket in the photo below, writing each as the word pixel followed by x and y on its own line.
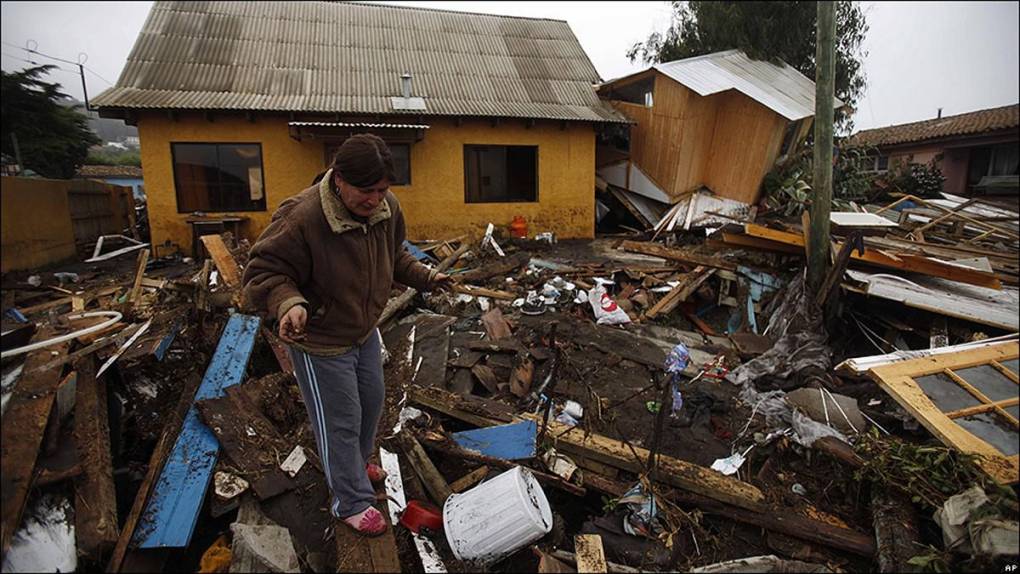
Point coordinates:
pixel 497 517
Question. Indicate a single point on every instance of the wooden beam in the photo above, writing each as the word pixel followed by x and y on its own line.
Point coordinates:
pixel 676 472
pixel 590 556
pixel 902 262
pixel 690 283
pixel 136 288
pixel 95 505
pixel 482 292
pixel 677 255
pixel 224 261
pixel 21 432
pixel 778 520
pixel 470 479
pixel 396 304
pixel 430 476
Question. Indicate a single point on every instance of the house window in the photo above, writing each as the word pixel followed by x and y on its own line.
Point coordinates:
pixel 874 163
pixel 218 177
pixel 495 173
pixel 993 160
pixel 401 161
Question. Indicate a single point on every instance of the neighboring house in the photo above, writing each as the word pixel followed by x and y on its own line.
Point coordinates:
pixel 718 121
pixel 239 105
pixel 977 152
pixel 125 175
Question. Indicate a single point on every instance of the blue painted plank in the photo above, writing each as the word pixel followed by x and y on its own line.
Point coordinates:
pixel 509 442
pixel 168 340
pixel 415 251
pixel 170 515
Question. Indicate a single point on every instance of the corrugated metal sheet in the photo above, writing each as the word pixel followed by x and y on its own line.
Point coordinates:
pixel 782 89
pixel 358 125
pixel 339 57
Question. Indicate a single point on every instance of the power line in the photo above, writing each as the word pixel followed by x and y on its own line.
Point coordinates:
pixel 93 72
pixel 34 63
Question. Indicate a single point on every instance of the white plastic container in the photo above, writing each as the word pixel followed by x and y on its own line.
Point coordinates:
pixel 497 517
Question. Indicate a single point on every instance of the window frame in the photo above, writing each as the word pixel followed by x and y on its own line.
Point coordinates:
pixel 177 190
pixel 467 198
pixel 899 379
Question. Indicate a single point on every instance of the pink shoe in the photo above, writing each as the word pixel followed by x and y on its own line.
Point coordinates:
pixel 375 472
pixel 368 522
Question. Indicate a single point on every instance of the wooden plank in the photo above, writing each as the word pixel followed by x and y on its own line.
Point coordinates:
pixel 396 304
pixel 687 286
pixel 501 267
pixel 682 474
pixel 591 558
pixel 470 479
pixel 780 520
pixel 677 255
pixel 22 430
pixel 95 496
pixel 897 379
pixel 172 511
pixel 46 306
pixel 482 292
pixel 902 262
pixel 434 482
pixel 136 288
pixel 231 418
pixel 760 244
pixel 167 438
pixel 357 553
pixel 223 259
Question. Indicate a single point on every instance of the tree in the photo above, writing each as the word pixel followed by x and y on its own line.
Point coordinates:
pixel 770 31
pixel 53 139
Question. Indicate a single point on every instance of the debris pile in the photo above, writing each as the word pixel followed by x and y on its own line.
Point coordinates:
pixel 661 400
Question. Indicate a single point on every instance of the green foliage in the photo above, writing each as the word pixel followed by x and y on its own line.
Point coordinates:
pixel 929 474
pixel 922 180
pixel 773 31
pixel 934 560
pixel 105 157
pixel 54 139
pixel 787 188
pixel 787 191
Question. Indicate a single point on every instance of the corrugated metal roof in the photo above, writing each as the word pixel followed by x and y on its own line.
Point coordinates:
pixel 358 125
pixel 348 58
pixel 780 88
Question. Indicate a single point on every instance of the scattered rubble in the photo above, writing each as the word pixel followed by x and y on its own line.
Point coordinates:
pixel 667 399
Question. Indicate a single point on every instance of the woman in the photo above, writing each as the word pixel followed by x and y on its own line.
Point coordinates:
pixel 324 268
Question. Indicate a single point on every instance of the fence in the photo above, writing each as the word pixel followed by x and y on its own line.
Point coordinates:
pixel 50 221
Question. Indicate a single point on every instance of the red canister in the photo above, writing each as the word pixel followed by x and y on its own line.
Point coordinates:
pixel 418 515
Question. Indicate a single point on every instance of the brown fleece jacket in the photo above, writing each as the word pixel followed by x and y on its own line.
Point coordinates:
pixel 315 253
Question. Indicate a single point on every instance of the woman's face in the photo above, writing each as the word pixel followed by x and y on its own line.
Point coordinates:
pixel 362 201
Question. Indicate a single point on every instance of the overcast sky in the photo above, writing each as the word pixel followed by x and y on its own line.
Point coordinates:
pixel 960 56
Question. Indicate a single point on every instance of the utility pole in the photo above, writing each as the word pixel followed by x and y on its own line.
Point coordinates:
pixel 819 235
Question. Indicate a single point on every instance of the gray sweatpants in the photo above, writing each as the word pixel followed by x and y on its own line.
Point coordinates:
pixel 344 396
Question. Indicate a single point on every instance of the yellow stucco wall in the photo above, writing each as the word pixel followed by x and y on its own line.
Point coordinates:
pixel 434 202
pixel 36 223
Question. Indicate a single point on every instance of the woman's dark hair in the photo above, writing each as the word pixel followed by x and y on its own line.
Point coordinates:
pixel 363 160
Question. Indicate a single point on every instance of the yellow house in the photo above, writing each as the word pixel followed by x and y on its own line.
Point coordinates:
pixel 239 105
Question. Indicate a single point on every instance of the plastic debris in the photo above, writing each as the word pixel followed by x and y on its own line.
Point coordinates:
pixel 65 277
pixel 547 237
pixel 34 281
pixel 607 312
pixel 295 460
pixel 642 517
pixel 675 364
